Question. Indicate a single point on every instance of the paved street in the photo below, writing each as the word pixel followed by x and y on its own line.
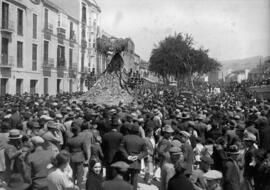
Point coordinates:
pixel 143 186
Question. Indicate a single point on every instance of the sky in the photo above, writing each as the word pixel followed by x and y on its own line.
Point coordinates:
pixel 230 29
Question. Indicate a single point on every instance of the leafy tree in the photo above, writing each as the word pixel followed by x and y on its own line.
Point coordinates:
pixel 176 56
pixel 104 45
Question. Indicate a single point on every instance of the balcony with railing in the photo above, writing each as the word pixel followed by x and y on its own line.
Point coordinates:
pixel 61 35
pixel 48 31
pixel 60 71
pixel 72 38
pixel 6 61
pixel 47 67
pixel 61 67
pixel 92 29
pixel 84 71
pixel 7 26
pixel 72 71
pixel 84 43
pixel 6 65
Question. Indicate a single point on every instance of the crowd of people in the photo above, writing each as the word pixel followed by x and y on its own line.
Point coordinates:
pixel 197 140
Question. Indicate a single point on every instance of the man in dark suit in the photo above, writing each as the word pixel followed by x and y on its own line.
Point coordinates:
pixel 231 170
pixel 118 182
pixel 15 118
pixel 264 131
pixel 110 146
pixel 179 180
pixel 187 151
pixel 164 145
pixel 133 149
pixel 77 147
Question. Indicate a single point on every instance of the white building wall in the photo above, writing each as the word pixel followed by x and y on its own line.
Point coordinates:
pixel 26 72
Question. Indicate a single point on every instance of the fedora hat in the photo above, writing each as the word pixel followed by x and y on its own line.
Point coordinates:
pixel 155 111
pixel 249 137
pixel 212 175
pixel 168 129
pixel 233 150
pixel 15 134
pixel 51 125
pixel 185 115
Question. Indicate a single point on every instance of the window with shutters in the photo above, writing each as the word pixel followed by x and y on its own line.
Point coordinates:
pixel 84 13
pixel 34 26
pixel 71 34
pixel 34 57
pixel 46 52
pixel 70 57
pixel 19 54
pixel 20 22
pixel 60 56
pixel 46 18
pixel 5 15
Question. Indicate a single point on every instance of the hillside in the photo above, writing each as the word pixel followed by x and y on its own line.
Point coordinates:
pixel 247 63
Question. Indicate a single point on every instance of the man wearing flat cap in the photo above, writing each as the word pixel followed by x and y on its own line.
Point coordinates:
pixel 167 169
pixel 197 175
pixel 52 137
pixel 133 149
pixel 78 148
pixel 165 144
pixel 231 171
pixel 110 145
pixel 249 140
pixel 37 163
pixel 213 179
pixel 118 182
pixel 187 151
pixel 179 180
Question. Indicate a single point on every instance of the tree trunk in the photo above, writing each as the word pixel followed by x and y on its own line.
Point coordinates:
pixel 165 80
pixel 191 80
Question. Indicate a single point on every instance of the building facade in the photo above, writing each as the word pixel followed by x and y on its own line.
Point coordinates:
pixel 46 48
pixel 21 44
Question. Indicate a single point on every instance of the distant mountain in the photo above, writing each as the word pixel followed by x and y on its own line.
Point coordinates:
pixel 241 64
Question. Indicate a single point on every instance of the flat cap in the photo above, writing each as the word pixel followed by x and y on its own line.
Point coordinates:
pixel 175 150
pixel 59 115
pixel 212 175
pixel 121 165
pixel 249 137
pixel 37 140
pixel 46 117
pixel 184 133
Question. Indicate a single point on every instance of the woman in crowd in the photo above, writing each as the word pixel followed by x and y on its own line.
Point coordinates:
pixel 94 177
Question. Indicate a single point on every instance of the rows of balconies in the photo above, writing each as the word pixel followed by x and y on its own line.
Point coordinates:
pixel 7 62
pixel 61 34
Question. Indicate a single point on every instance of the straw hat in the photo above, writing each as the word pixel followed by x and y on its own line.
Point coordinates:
pixel 15 134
